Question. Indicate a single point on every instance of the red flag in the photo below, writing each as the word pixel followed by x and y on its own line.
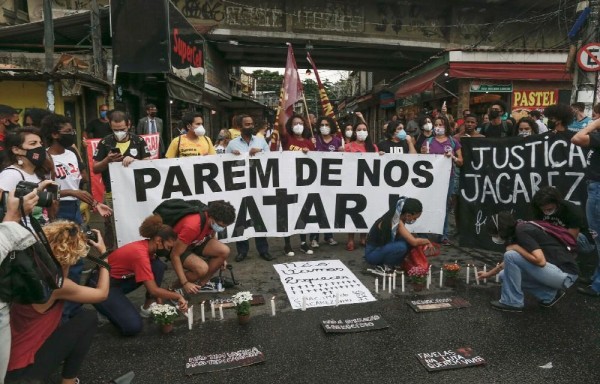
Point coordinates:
pixel 291 89
pixel 326 106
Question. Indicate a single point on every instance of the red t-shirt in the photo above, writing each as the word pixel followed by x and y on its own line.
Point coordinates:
pixel 29 330
pixel 291 143
pixel 132 258
pixel 188 229
pixel 354 147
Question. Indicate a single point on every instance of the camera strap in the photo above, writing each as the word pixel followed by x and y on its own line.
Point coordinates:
pixel 98 261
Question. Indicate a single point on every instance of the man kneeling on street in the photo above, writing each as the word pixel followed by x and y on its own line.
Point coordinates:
pixel 197 249
pixel 535 262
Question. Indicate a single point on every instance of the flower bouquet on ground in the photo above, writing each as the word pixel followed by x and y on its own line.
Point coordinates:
pixel 242 305
pixel 164 315
pixel 418 277
pixel 451 270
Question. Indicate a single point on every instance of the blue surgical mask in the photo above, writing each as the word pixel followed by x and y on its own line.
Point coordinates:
pixel 216 227
pixel 103 114
pixel 401 135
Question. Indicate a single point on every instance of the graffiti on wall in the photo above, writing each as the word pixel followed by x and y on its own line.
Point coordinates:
pixel 267 13
pixel 335 16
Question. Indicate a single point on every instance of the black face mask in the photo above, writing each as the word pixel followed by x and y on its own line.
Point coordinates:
pixel 66 139
pixel 11 126
pixel 152 114
pixel 37 156
pixel 163 253
pixel 551 125
pixel 247 132
pixel 494 114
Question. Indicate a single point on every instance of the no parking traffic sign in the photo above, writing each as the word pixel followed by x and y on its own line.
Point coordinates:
pixel 588 57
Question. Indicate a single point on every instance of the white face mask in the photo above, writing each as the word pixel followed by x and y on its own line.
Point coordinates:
pixel 325 130
pixel 200 131
pixel 120 135
pixel 440 131
pixel 361 135
pixel 549 212
pixel 427 126
pixel 348 134
pixel 298 129
pixel 497 240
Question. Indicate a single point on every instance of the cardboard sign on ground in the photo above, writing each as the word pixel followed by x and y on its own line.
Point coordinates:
pixel 360 324
pixel 438 304
pixel 450 359
pixel 228 303
pixel 223 361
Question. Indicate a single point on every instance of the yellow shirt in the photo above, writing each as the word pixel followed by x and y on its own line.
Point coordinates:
pixel 200 147
pixel 234 133
pixel 123 146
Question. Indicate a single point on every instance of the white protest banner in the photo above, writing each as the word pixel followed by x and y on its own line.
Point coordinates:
pixel 321 283
pixel 285 193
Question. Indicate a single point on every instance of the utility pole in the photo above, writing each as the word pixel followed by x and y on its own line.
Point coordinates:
pixel 584 82
pixel 49 53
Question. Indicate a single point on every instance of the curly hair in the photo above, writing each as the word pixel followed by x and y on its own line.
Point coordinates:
pixel 52 124
pixel 153 226
pixel 332 124
pixel 560 112
pixel 290 130
pixel 67 241
pixel 222 211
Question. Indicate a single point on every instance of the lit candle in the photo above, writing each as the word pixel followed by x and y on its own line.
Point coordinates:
pixel 475 272
pixel 304 303
pixel 402 280
pixel 485 271
pixel 390 283
pixel 429 277
pixel 212 309
pixel 468 273
pixel 384 279
pixel 376 285
pixel 273 306
pixel 441 277
pixel 337 299
pixel 498 274
pixel 202 312
pixel 221 312
pixel 394 280
pixel 190 316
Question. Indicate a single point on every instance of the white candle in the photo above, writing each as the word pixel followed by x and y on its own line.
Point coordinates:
pixel 427 144
pixel 221 312
pixel 384 279
pixel 376 285
pixel 304 303
pixel 468 273
pixel 394 280
pixel 429 277
pixel 402 280
pixel 212 309
pixel 485 271
pixel 441 277
pixel 475 272
pixel 390 283
pixel 498 274
pixel 190 316
pixel 337 299
pixel 273 306
pixel 202 312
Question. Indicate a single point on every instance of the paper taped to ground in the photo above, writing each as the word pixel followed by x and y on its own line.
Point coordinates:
pixel 321 283
pixel 450 359
pixel 547 366
pixel 222 361
pixel 359 324
pixel 438 304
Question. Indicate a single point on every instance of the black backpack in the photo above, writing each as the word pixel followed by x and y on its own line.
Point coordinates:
pixel 173 210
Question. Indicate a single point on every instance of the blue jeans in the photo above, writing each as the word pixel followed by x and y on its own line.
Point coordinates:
pixel 592 210
pixel 262 246
pixel 117 307
pixel 520 275
pixel 392 253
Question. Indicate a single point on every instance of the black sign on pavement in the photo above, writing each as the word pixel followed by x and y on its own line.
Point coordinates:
pixel 359 324
pixel 223 361
pixel 450 359
pixel 438 304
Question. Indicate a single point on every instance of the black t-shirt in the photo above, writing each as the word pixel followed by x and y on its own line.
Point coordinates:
pixel 565 135
pixel 389 146
pixel 567 215
pixel 531 238
pixel 593 157
pixel 421 141
pixel 97 129
pixel 504 129
pixel 137 149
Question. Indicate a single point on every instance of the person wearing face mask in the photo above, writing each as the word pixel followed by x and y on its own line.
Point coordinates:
pixel 151 124
pixel 559 117
pixel 222 141
pixel 527 127
pixel 348 133
pixel 120 146
pixel 497 127
pixel 397 140
pixel 443 144
pixel 535 262
pixel 389 239
pixel 195 142
pixel 133 265
pixel 426 131
pixel 100 127
pixel 196 242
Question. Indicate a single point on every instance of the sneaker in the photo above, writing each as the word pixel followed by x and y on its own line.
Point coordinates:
pixel 589 291
pixel 288 251
pixel 145 313
pixel 267 256
pixel 503 307
pixel 332 241
pixel 559 295
pixel 209 287
pixel 314 244
pixel 306 249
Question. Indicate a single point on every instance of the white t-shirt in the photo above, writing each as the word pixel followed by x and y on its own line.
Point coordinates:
pixel 10 177
pixel 66 167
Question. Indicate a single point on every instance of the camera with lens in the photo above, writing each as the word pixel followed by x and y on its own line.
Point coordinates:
pixel 89 234
pixel 46 197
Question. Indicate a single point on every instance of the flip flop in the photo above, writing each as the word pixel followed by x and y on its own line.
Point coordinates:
pixel 350 247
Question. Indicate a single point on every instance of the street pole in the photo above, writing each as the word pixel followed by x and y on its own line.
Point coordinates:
pixel 584 82
pixel 49 53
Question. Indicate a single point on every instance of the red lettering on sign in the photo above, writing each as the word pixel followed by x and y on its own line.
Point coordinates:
pixel 187 53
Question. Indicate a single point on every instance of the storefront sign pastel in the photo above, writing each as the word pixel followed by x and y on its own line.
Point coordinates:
pixel 222 361
pixel 534 99
pixel 438 304
pixel 359 324
pixel 450 359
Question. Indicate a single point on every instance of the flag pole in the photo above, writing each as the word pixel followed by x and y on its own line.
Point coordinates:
pixel 307 116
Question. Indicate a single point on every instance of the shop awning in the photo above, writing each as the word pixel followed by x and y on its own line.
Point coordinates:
pixel 183 90
pixel 419 83
pixel 513 71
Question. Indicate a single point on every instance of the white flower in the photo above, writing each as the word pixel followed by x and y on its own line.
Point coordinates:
pixel 240 297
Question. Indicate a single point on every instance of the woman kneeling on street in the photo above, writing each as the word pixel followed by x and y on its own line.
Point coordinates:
pixel 137 264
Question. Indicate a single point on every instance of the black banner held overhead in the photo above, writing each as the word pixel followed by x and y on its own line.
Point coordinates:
pixel 450 359
pixel 361 324
pixel 504 174
pixel 222 361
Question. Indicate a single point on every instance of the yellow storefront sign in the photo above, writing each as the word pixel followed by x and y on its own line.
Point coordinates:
pixel 534 99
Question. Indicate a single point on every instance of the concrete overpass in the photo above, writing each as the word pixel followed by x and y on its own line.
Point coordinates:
pixel 376 35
